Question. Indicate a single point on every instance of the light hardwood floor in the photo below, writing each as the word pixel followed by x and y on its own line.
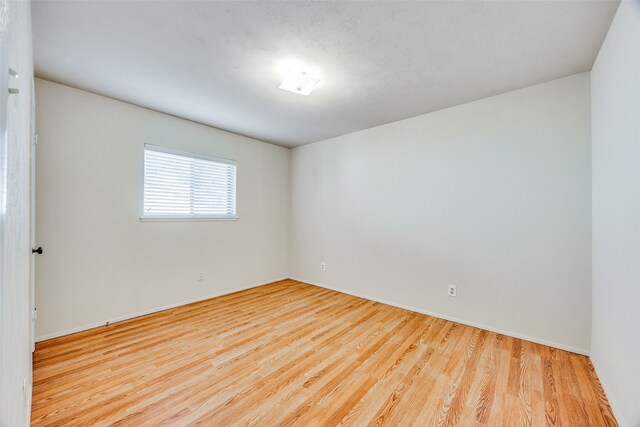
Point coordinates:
pixel 289 353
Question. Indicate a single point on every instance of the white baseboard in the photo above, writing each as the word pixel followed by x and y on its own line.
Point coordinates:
pixel 344 291
pixel 605 387
pixel 456 320
pixel 145 312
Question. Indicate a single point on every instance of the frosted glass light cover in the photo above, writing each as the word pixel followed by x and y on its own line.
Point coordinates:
pixel 299 82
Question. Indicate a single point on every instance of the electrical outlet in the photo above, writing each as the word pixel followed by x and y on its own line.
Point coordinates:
pixel 453 291
pixel 200 276
pixel 323 267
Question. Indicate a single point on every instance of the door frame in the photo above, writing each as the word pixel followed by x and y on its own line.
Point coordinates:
pixel 32 219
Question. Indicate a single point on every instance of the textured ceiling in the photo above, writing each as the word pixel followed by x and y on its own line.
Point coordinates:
pixel 218 62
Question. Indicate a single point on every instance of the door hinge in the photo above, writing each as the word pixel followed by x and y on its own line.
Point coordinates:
pixel 35 138
pixel 13 73
pixel 34 317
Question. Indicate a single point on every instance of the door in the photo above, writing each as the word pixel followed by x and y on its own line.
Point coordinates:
pixel 32 221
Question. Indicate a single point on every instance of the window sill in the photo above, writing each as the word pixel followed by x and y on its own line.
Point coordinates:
pixel 188 219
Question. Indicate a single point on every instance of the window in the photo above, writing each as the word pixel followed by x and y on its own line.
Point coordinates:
pixel 187 186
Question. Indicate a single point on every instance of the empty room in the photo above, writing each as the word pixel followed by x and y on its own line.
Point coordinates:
pixel 319 213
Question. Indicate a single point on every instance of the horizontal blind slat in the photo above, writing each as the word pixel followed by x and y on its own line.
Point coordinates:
pixel 187 186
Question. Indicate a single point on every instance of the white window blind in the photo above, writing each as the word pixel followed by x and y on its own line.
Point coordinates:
pixel 183 185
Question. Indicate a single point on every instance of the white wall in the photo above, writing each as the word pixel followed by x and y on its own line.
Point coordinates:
pixel 100 262
pixel 15 316
pixel 492 196
pixel 615 95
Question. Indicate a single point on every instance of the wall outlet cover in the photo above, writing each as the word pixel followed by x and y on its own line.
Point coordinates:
pixel 452 291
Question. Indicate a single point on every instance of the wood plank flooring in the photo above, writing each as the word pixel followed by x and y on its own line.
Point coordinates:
pixel 289 353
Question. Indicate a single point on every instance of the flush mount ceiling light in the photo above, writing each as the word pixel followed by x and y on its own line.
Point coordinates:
pixel 299 81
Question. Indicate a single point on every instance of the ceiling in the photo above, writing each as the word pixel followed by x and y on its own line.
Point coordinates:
pixel 219 63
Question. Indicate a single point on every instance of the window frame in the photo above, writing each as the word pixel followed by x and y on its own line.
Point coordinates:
pixel 186 218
